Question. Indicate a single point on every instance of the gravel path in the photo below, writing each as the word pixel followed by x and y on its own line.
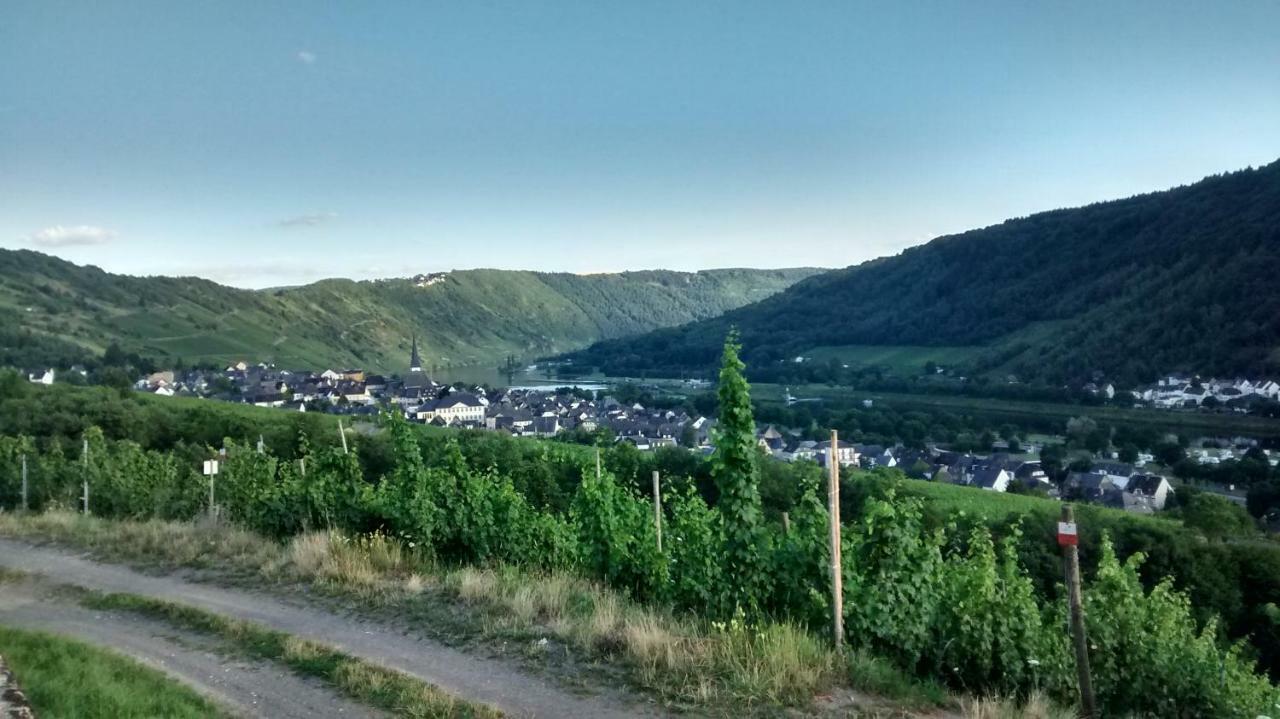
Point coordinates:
pixel 489 681
pixel 251 689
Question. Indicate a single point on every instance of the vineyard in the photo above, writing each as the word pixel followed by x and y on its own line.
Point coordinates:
pixel 941 595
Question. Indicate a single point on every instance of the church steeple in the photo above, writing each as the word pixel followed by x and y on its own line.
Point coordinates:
pixel 415 362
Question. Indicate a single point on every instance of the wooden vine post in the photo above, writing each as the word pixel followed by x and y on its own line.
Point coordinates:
pixel 657 509
pixel 25 505
pixel 84 464
pixel 342 433
pixel 833 511
pixel 1068 539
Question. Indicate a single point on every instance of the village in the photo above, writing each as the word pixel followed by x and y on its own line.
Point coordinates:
pixel 586 415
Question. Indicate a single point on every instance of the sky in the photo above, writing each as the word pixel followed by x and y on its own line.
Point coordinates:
pixel 274 143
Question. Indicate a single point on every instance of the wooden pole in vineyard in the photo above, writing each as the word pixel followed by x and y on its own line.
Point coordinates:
pixel 597 463
pixel 343 435
pixel 84 465
pixel 24 482
pixel 657 509
pixel 833 511
pixel 1068 538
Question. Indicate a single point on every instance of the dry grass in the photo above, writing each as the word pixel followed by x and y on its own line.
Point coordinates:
pixel 373 562
pixel 685 660
pixel 185 544
pixel 1037 706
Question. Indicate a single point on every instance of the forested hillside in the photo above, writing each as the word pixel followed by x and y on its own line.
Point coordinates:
pixel 56 313
pixel 1184 279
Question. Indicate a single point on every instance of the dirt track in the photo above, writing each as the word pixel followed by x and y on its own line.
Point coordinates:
pixel 489 681
pixel 252 689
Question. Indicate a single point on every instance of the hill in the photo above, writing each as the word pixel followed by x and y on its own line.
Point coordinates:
pixel 53 312
pixel 1185 279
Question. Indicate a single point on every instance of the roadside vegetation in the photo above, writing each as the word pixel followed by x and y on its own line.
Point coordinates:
pixel 685 661
pixel 943 597
pixel 67 679
pixel 360 680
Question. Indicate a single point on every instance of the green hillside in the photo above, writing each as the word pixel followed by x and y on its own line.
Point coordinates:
pixel 53 312
pixel 1184 279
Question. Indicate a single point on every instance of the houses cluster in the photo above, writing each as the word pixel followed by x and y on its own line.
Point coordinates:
pixel 1113 484
pixel 519 412
pixel 350 391
pixel 1118 485
pixel 538 413
pixel 1179 391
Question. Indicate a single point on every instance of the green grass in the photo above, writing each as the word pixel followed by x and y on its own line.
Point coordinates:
pixel 906 360
pixel 66 678
pixel 1023 411
pixel 358 679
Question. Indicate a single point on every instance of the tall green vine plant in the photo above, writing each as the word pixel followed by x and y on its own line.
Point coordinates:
pixel 734 470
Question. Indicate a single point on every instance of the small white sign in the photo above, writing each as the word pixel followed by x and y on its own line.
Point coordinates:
pixel 210 467
pixel 1067 535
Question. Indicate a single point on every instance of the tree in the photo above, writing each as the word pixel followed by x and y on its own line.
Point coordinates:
pixel 1052 458
pixel 1079 429
pixel 985 440
pixel 1129 453
pixel 734 471
pixel 116 378
pixel 1217 517
pixel 688 435
pixel 1169 453
pixel 1264 498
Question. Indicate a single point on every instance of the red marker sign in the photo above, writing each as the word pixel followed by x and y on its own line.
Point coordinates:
pixel 1067 536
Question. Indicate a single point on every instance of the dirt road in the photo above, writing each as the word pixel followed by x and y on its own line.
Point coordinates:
pixel 478 679
pixel 251 689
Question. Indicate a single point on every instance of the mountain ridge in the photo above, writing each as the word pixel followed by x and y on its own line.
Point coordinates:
pixel 56 312
pixel 1172 280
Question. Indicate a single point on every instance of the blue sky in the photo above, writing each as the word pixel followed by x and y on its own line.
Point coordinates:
pixel 265 143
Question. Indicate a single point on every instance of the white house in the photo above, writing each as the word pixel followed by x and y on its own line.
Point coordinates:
pixel 45 378
pixel 1152 486
pixel 993 478
pixel 455 408
pixel 846 453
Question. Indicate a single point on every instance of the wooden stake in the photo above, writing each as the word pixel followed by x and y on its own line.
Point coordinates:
pixel 24 483
pixel 597 463
pixel 786 523
pixel 1071 568
pixel 833 510
pixel 84 463
pixel 343 435
pixel 657 509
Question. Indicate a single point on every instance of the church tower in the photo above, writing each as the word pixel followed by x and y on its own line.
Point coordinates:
pixel 415 362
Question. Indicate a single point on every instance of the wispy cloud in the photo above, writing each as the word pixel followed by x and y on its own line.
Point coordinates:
pixel 306 57
pixel 76 236
pixel 312 220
